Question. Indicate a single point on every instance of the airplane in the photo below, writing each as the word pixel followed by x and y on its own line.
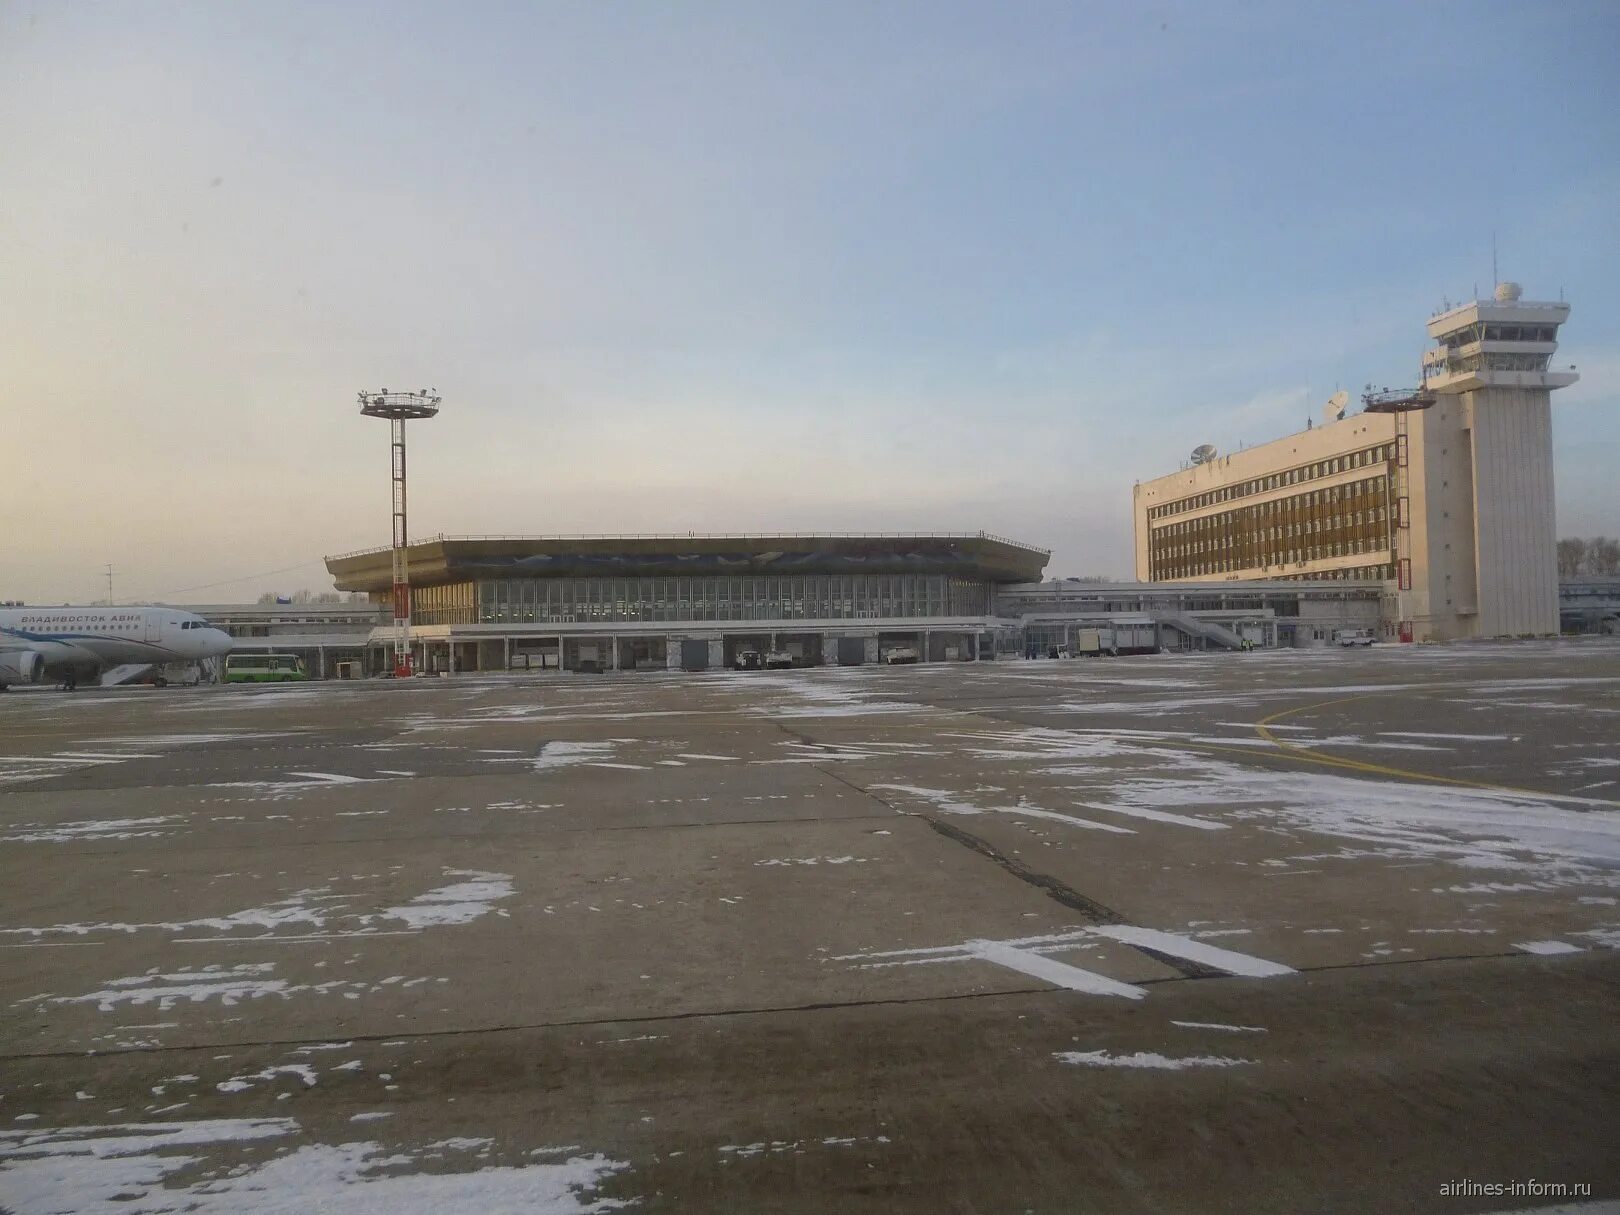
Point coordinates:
pixel 39 641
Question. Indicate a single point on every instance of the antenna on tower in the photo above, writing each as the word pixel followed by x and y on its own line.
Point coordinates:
pixel 1494 278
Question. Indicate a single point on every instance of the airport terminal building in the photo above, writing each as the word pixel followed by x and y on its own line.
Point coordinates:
pixel 1442 496
pixel 706 602
pixel 698 602
pixel 1426 516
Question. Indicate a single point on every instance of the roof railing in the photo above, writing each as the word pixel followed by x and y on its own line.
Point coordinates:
pixel 441 538
pixel 1526 305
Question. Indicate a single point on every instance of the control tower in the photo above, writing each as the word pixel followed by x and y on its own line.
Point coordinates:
pixel 1484 537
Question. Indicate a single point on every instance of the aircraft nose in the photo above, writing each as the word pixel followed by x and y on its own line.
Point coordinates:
pixel 220 642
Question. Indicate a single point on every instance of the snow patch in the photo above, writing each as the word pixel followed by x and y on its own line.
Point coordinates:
pixel 1145 1059
pixel 567 754
pixel 239 1084
pixel 91 829
pixel 1215 1025
pixel 98 1168
pixel 1547 947
pixel 458 903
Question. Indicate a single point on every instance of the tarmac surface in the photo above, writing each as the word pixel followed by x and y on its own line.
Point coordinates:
pixel 1324 931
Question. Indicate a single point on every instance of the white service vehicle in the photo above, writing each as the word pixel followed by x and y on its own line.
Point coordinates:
pixel 1350 637
pixel 1095 642
pixel 900 653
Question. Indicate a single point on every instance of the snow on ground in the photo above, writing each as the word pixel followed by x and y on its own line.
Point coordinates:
pixel 562 754
pixel 91 829
pixel 229 985
pixel 1476 828
pixel 472 895
pixel 458 903
pixel 1479 828
pixel 265 1166
pixel 1145 1059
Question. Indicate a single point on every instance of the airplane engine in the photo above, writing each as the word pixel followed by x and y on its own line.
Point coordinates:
pixel 22 666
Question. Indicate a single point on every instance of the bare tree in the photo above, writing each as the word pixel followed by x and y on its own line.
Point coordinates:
pixel 1603 556
pixel 1571 556
pixel 1598 556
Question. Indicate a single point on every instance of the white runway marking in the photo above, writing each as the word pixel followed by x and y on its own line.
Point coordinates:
pixel 106 756
pixel 1027 955
pixel 1059 974
pixel 272 939
pixel 1159 816
pixel 947 803
pixel 1195 951
pixel 53 945
pixel 1085 824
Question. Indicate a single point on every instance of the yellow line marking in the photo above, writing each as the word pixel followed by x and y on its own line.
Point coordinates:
pixel 1358 765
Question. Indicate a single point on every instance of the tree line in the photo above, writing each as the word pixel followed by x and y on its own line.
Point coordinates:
pixel 1598 555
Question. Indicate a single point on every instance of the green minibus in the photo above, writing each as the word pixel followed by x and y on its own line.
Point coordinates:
pixel 264 668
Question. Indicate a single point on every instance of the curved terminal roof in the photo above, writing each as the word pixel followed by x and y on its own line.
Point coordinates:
pixel 447 559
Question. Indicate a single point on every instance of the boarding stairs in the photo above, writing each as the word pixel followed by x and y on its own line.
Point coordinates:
pixel 129 672
pixel 1206 630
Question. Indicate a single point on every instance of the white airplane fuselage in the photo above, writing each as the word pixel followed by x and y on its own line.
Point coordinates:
pixel 38 641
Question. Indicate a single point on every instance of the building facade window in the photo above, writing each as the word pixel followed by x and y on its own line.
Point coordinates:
pixel 726 598
pixel 1348 519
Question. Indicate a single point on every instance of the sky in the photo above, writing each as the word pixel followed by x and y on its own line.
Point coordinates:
pixel 749 267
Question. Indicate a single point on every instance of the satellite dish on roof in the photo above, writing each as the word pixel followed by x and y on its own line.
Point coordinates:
pixel 1507 293
pixel 1203 453
pixel 1335 407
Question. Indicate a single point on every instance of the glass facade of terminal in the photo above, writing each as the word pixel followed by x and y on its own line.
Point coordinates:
pixel 723 598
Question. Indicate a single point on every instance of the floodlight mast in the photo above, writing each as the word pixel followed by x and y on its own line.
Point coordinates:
pixel 398 407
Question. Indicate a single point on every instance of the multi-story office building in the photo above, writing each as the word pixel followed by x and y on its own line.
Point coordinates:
pixel 1317 505
pixel 1442 494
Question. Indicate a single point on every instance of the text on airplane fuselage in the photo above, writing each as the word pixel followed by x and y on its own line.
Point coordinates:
pixel 118 618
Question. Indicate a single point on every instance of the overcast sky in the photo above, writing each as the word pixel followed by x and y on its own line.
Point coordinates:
pixel 746 267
